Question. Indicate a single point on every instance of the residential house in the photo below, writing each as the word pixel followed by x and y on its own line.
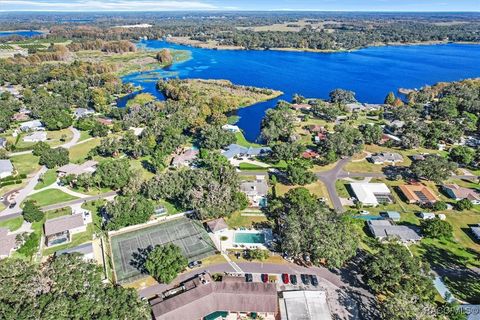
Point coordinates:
pixel 300 106
pixel 320 136
pixel 314 128
pixel 6 168
pixel 456 192
pixel 371 194
pixel 427 215
pixel 60 230
pixel 201 297
pixel 185 158
pixel 385 229
pixel 392 215
pixel 235 150
pixel 3 143
pixel 8 243
pixel 418 193
pixel 355 107
pixel 85 250
pixel 82 112
pixel 256 191
pixel 304 305
pixel 310 154
pixel 217 226
pixel 105 121
pixel 21 116
pixel 137 131
pixel 418 157
pixel 36 137
pixel 89 166
pixel 34 125
pixel 386 157
pixel 231 128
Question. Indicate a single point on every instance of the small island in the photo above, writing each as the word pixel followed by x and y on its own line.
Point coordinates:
pixel 222 93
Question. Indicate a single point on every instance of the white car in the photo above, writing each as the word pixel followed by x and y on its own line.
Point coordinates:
pixel 364 212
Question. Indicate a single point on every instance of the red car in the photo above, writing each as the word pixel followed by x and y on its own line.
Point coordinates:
pixel 264 277
pixel 285 278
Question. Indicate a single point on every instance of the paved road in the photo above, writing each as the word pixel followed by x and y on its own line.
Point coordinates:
pixel 248 267
pixel 329 178
pixel 56 206
pixel 23 193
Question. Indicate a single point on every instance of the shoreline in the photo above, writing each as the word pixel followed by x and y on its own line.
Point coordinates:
pixel 214 46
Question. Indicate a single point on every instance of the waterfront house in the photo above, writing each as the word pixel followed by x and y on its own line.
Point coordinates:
pixel 34 125
pixel 235 150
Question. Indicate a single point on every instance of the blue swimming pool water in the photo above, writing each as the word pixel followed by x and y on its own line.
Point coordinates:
pixel 244 237
pixel 370 72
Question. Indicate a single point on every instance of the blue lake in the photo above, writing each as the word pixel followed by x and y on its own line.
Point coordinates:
pixel 370 72
pixel 24 33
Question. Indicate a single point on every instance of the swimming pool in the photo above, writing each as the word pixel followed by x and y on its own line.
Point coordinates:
pixel 249 237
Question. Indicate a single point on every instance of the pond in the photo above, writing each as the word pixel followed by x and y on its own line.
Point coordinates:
pixel 23 33
pixel 370 72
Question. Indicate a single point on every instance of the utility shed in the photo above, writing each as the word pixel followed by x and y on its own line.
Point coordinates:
pixel 304 305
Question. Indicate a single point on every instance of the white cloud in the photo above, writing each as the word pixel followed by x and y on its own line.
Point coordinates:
pixel 107 5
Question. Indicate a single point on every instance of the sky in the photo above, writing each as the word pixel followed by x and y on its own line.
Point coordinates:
pixel 231 5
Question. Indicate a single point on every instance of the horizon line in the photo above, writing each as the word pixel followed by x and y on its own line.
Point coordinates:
pixel 239 10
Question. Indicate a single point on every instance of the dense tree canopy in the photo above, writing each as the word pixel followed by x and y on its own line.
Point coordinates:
pixel 165 262
pixel 31 212
pixel 64 287
pixel 126 211
pixel 437 229
pixel 434 168
pixel 56 157
pixel 278 124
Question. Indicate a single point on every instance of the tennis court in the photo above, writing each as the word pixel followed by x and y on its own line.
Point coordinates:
pixel 188 234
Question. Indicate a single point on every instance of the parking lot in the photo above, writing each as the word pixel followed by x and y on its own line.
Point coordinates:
pixel 281 285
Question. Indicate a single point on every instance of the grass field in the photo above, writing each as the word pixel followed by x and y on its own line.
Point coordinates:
pixel 128 249
pixel 25 163
pixel 48 178
pixel 237 220
pixel 12 224
pixel 79 152
pixel 244 143
pixel 50 196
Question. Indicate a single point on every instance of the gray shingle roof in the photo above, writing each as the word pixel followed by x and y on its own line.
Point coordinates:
pixel 6 166
pixel 235 149
pixel 64 223
pixel 7 242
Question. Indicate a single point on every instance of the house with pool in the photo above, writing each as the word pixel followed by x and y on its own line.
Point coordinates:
pixel 256 191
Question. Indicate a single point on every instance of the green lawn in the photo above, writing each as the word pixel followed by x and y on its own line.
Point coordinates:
pixel 25 163
pixel 12 224
pixel 54 137
pixel 250 166
pixel 52 214
pixel 48 178
pixel 79 152
pixel 50 196
pixel 243 142
pixel 84 135
pixel 237 220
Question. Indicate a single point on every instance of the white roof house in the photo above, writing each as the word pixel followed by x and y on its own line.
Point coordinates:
pixel 304 305
pixel 371 194
pixel 89 166
pixel 31 125
pixel 6 168
pixel 82 112
pixel 36 137
pixel 231 128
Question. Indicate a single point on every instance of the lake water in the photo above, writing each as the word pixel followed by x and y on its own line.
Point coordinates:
pixel 370 72
pixel 25 33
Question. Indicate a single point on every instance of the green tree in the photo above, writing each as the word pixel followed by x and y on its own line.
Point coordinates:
pixel 342 97
pixel 39 148
pixel 437 229
pixel 30 246
pixel 214 137
pixel 434 168
pixel 56 157
pixel 278 124
pixel 164 56
pixel 463 204
pixel 31 212
pixel 287 151
pixel 126 211
pixel 165 262
pixel 258 254
pixel 445 108
pixel 328 112
pixel 390 98
pixel 462 155
pixel 114 174
pixel 297 172
pixel 372 134
pixel 439 206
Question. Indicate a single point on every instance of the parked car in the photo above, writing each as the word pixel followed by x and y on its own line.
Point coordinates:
pixel 248 277
pixel 194 264
pixel 314 280
pixel 293 279
pixel 264 277
pixel 305 279
pixel 285 278
pixel 364 212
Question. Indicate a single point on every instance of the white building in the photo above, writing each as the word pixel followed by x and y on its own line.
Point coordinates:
pixel 36 137
pixel 231 128
pixel 6 168
pixel 32 125
pixel 371 194
pixel 304 305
